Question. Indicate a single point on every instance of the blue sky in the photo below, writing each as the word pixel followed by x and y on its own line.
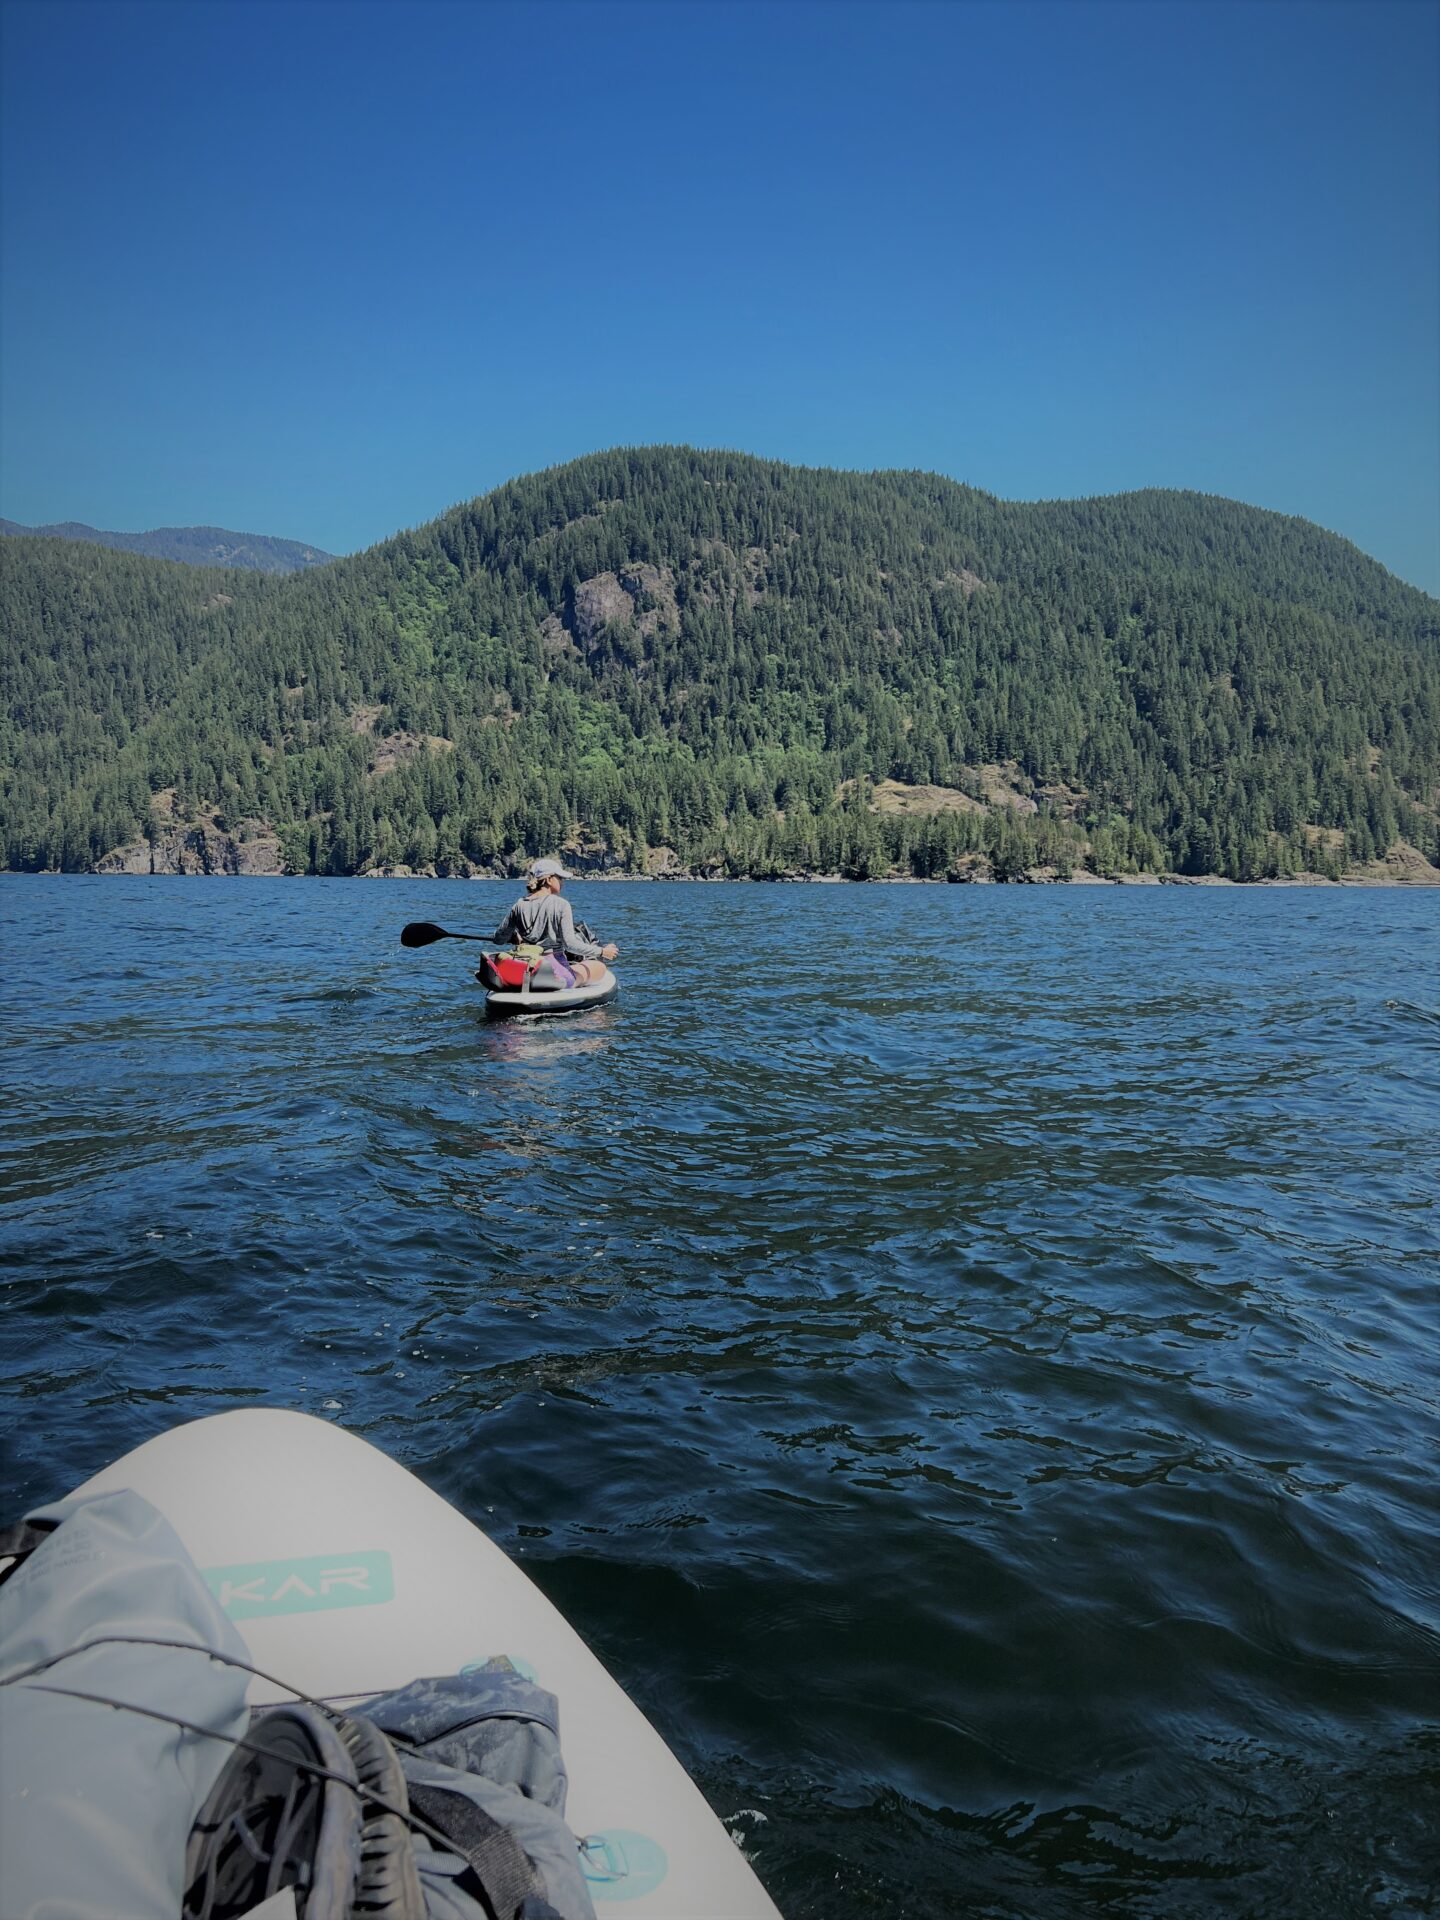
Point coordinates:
pixel 322 269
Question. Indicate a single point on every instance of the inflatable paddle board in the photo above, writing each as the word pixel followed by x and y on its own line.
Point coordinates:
pixel 346 1575
pixel 512 1002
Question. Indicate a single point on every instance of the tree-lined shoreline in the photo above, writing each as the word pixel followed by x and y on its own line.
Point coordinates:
pixel 719 665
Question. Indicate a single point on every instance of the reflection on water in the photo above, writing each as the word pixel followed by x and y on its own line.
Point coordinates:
pixel 974 1386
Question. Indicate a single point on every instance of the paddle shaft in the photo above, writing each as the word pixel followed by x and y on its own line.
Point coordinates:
pixel 424 933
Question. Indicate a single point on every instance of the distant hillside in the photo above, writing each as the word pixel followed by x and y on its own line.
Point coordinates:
pixel 662 659
pixel 194 546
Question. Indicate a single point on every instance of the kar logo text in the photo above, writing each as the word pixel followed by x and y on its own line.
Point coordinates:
pixel 314 1585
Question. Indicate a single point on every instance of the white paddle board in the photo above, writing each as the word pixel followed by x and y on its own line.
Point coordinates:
pixel 348 1576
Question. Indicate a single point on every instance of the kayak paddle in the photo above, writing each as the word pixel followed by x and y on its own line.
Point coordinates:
pixel 424 933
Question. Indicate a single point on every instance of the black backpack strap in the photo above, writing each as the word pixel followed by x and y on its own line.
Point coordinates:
pixel 506 1875
pixel 18 1542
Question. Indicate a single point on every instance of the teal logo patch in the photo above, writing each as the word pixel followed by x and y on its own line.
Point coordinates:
pixel 620 1865
pixel 258 1588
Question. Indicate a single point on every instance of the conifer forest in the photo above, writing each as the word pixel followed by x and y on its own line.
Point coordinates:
pixel 666 660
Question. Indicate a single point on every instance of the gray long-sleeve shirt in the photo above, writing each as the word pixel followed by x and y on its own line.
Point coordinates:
pixel 545 920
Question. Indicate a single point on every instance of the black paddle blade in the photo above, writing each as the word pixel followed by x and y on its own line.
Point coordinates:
pixel 422 933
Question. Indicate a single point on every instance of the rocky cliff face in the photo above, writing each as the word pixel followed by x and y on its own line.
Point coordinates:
pixel 641 597
pixel 250 847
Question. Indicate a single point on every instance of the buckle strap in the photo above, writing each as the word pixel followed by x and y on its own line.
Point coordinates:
pixel 508 1879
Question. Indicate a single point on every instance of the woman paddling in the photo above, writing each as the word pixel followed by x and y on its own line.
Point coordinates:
pixel 542 918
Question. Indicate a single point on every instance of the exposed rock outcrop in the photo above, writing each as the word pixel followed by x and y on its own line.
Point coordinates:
pixel 600 603
pixel 250 847
pixel 1403 866
pixel 893 796
pixel 553 637
pixel 639 596
pixel 395 749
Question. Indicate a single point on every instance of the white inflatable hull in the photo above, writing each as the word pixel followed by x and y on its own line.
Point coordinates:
pixel 348 1576
pixel 514 1004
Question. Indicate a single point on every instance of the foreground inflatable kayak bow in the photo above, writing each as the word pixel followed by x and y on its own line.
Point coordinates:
pixel 345 1578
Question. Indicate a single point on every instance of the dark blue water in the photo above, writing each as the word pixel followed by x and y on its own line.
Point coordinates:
pixel 967 1358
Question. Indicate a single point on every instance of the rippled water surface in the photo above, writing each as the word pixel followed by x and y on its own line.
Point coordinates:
pixel 966 1357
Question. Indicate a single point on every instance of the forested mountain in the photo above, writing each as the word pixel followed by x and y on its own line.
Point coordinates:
pixel 195 546
pixel 758 667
